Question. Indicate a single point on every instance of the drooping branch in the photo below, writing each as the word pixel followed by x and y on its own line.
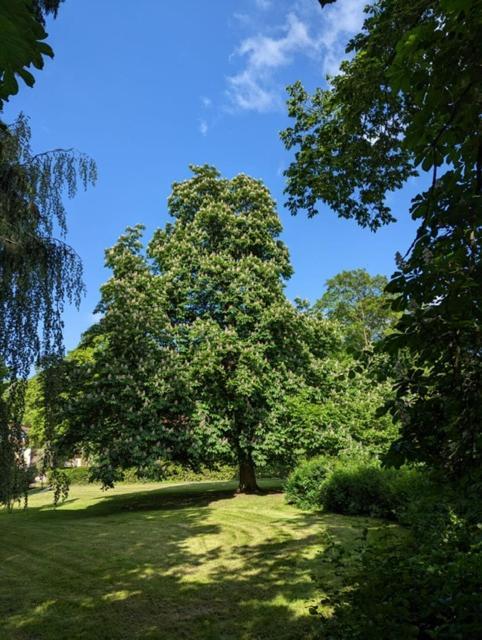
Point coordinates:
pixel 38 273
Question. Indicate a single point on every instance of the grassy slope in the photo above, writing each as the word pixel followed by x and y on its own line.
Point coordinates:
pixel 161 561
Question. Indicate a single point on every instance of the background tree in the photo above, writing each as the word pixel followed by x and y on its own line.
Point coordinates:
pixel 357 301
pixel 34 416
pixel 341 410
pixel 416 73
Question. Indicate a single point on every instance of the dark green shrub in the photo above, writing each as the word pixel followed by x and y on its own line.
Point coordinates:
pixel 425 584
pixel 303 486
pixel 167 470
pixel 368 489
pixel 159 473
pixel 357 490
pixel 356 484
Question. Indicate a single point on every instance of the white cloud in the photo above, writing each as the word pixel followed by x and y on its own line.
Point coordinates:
pixel 263 51
pixel 342 19
pixel 206 102
pixel 203 127
pixel 317 34
pixel 252 87
pixel 246 92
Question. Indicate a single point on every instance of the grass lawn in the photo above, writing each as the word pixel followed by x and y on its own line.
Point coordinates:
pixel 163 561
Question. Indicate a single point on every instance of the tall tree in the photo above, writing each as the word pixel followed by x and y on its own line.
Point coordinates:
pixel 416 74
pixel 222 268
pixel 38 270
pixel 198 343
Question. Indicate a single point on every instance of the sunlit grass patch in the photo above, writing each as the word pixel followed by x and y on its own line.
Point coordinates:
pixel 163 561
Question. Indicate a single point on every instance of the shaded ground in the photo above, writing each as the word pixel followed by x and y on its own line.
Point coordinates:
pixel 190 561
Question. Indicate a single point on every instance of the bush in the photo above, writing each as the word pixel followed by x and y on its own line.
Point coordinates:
pixel 166 470
pixel 358 490
pixel 176 472
pixel 77 475
pixel 425 584
pixel 371 490
pixel 356 484
pixel 423 581
pixel 304 484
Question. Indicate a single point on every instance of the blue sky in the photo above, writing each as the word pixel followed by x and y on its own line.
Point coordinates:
pixel 148 87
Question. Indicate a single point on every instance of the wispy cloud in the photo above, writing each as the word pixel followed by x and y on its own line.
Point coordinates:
pixel 203 127
pixel 306 32
pixel 343 18
pixel 254 87
pixel 263 4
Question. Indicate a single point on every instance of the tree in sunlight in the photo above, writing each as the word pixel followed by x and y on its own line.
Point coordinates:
pixel 198 344
pixel 357 300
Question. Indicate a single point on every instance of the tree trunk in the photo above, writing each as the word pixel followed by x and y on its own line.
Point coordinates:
pixel 247 476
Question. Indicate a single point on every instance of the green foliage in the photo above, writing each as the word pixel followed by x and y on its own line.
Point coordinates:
pixel 365 488
pixel 424 582
pixel 12 464
pixel 34 417
pixel 38 271
pixel 358 302
pixel 303 486
pixel 23 34
pixel 59 482
pixel 354 483
pixel 340 411
pixel 197 346
pixel 422 585
pixel 415 72
pixel 223 268
pixel 168 470
pixel 161 472
pixel 22 46
pixel 34 413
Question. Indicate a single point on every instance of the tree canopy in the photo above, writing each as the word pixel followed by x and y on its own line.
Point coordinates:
pixel 198 345
pixel 415 71
pixel 357 300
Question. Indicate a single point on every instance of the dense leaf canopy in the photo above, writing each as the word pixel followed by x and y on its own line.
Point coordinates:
pixel 198 345
pixel 357 300
pixel 416 73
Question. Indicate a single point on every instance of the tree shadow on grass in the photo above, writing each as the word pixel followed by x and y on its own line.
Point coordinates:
pixel 173 496
pixel 164 564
